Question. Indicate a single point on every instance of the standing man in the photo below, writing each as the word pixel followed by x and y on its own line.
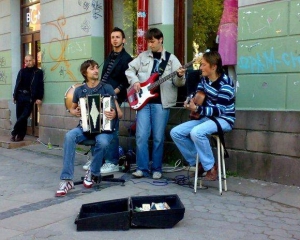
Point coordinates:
pixel 154 116
pixel 29 90
pixel 90 71
pixel 113 73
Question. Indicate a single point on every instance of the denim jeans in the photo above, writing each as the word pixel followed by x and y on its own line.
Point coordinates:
pixel 192 137
pixel 112 153
pixel 72 138
pixel 152 118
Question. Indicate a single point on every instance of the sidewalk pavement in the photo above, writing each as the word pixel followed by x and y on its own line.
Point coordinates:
pixel 250 209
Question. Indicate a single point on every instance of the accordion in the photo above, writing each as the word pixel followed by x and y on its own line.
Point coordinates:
pixel 93 119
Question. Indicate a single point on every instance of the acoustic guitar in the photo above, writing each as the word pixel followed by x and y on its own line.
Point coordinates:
pixel 198 100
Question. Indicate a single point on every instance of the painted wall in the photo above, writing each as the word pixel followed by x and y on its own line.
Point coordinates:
pixel 268 56
pixel 69 36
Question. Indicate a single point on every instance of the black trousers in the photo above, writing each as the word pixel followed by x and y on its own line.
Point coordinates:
pixel 24 106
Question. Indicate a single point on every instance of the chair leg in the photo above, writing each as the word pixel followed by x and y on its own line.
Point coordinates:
pixel 219 165
pixel 196 174
pixel 223 168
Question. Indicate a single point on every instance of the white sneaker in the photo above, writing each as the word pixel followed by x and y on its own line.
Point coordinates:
pixel 109 167
pixel 87 165
pixel 138 174
pixel 156 175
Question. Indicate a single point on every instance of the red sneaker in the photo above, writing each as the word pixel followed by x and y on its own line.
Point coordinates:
pixel 64 187
pixel 89 179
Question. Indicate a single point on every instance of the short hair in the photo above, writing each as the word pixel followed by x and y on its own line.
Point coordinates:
pixel 116 29
pixel 85 65
pixel 29 55
pixel 214 58
pixel 153 33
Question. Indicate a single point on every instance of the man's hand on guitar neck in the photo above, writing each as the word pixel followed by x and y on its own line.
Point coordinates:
pixel 180 72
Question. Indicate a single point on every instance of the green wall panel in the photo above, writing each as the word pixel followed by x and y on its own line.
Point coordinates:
pixel 5 92
pixel 269 55
pixel 97 51
pixel 6 75
pixel 55 92
pixel 293 92
pixel 60 75
pixel 263 20
pixel 168 32
pixel 67 49
pixel 261 92
pixel 295 17
pixel 5 59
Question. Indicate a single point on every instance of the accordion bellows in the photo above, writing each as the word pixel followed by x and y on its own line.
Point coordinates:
pixel 93 119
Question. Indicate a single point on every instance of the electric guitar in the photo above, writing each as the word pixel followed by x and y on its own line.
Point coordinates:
pixel 138 100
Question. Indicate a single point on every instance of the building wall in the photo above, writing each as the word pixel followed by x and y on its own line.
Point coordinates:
pixel 264 143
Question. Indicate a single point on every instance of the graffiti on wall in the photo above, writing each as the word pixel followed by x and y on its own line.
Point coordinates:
pixel 86 26
pixel 97 7
pixel 262 21
pixel 3 76
pixel 269 60
pixel 2 62
pixel 60 59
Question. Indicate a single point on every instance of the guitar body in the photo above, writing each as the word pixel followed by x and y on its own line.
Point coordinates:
pixel 198 100
pixel 138 100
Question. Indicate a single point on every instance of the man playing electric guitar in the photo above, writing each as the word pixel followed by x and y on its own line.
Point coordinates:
pixel 153 113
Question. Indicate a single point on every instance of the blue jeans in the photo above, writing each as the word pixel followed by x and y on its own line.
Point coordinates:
pixel 192 137
pixel 112 153
pixel 152 118
pixel 72 138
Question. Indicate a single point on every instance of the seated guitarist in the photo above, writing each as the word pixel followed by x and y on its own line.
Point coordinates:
pixel 154 115
pixel 192 137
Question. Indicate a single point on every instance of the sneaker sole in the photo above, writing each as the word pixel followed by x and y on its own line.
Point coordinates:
pixel 87 186
pixel 117 170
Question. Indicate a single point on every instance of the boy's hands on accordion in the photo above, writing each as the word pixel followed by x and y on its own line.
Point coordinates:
pixel 110 114
pixel 75 110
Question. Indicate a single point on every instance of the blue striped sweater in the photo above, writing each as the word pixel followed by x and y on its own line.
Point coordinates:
pixel 220 98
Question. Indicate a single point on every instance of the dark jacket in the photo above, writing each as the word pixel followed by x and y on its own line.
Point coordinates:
pixel 36 87
pixel 117 77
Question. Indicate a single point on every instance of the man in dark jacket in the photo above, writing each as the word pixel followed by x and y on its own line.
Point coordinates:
pixel 29 90
pixel 113 73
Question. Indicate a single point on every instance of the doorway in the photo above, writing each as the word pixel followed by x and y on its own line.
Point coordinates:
pixel 30 44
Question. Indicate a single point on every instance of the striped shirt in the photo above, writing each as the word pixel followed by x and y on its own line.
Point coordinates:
pixel 220 98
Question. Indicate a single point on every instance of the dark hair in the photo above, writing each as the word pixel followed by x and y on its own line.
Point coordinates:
pixel 85 65
pixel 214 58
pixel 153 33
pixel 116 29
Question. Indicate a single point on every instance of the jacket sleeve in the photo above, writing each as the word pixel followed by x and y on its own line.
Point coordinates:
pixel 177 81
pixel 17 84
pixel 131 72
pixel 123 81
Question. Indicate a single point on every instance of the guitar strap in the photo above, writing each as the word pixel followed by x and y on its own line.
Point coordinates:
pixel 163 64
pixel 221 135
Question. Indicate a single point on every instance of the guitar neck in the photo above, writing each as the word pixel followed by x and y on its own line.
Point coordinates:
pixel 161 80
